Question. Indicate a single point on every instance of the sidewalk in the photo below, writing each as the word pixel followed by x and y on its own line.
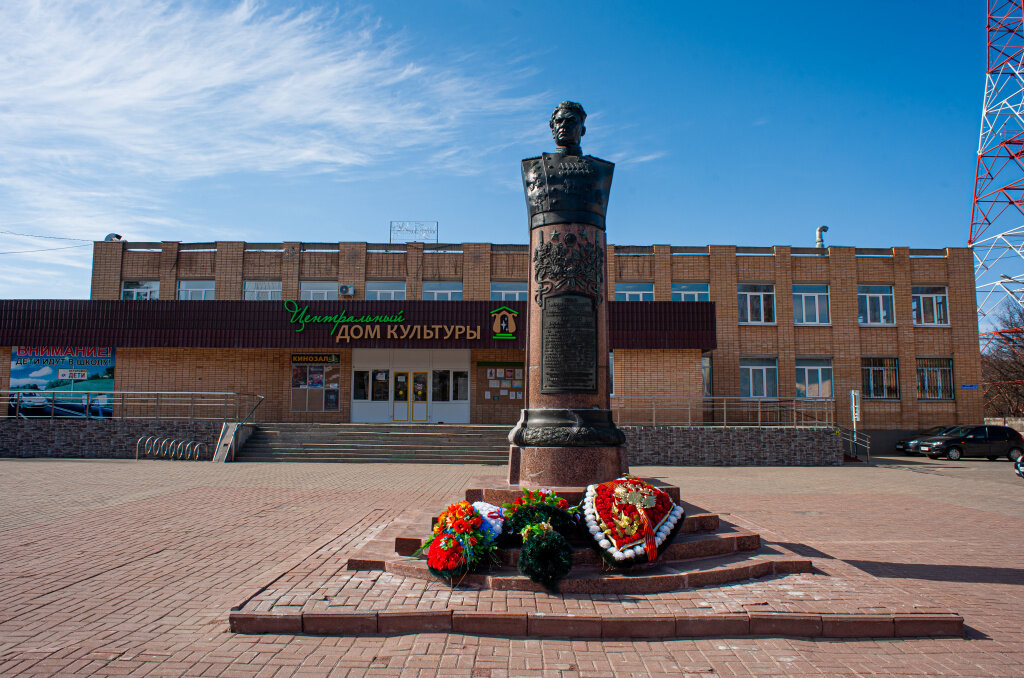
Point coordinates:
pixel 130 568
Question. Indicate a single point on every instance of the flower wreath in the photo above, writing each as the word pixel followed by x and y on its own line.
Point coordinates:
pixel 464 537
pixel 630 520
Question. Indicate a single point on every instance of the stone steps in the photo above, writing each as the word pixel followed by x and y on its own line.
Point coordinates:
pixel 377 443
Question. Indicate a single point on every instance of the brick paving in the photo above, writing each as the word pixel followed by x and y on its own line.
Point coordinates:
pixel 125 568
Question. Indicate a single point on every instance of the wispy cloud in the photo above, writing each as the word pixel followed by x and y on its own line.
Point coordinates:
pixel 105 106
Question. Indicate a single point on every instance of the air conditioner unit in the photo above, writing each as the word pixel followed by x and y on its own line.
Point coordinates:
pixel 346 290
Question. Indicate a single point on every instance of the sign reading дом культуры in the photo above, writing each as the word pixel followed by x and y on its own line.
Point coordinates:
pixel 44 377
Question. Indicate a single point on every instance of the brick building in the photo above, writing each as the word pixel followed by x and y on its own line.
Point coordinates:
pixel 760 324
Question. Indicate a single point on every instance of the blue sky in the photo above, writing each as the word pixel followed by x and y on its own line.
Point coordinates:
pixel 744 123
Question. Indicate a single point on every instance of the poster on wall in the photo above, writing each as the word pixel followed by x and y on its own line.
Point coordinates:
pixel 65 381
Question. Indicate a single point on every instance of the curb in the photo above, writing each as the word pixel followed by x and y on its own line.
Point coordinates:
pixel 540 625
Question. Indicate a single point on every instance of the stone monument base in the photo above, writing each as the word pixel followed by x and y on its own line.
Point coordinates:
pixel 537 467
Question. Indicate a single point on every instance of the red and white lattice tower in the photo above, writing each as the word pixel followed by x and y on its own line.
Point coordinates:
pixel 997 220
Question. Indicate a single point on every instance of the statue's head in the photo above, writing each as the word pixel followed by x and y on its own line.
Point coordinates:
pixel 566 124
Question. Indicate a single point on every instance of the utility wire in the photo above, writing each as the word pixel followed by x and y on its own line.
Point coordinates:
pixel 47 249
pixel 49 237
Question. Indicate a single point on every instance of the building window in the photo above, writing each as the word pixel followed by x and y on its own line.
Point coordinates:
pixel 634 291
pixel 509 291
pixel 930 306
pixel 262 290
pixel 690 292
pixel 140 290
pixel 810 305
pixel 879 378
pixel 360 385
pixel 813 377
pixel 756 303
pixel 195 289
pixel 449 385
pixel 705 374
pixel 318 289
pixel 442 291
pixel 759 378
pixel 874 305
pixel 385 290
pixel 935 378
pixel 379 386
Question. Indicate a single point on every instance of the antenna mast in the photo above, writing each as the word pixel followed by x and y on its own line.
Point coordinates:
pixel 997 218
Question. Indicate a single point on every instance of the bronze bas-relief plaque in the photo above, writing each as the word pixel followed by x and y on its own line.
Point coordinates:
pixel 568 352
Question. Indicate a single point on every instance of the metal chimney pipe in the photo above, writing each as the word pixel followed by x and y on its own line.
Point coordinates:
pixel 818 240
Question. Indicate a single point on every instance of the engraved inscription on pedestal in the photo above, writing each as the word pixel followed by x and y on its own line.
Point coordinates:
pixel 568 352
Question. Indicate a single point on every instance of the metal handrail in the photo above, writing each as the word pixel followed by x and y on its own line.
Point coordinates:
pixel 855 439
pixel 719 411
pixel 234 434
pixel 185 405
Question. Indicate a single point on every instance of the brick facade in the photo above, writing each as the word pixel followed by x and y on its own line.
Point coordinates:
pixel 668 373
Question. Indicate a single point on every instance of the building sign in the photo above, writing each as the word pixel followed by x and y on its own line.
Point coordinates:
pixel 49 379
pixel 968 386
pixel 301 317
pixel 315 358
pixel 504 325
pixel 383 327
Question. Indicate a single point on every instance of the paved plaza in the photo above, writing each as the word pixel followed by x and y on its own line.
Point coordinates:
pixel 130 568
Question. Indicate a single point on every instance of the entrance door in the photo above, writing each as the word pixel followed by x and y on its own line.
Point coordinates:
pixel 419 396
pixel 400 397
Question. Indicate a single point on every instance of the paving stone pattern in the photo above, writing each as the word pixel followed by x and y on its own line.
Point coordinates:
pixel 124 568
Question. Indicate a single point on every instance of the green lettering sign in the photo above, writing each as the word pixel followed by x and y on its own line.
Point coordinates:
pixel 302 316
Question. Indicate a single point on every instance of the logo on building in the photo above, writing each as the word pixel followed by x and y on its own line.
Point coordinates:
pixel 504 326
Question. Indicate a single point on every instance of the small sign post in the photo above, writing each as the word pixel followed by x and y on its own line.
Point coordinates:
pixel 855 407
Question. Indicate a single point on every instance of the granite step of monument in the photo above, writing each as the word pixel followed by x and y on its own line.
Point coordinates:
pixel 660 577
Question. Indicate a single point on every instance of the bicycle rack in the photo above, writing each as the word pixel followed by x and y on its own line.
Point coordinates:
pixel 169 448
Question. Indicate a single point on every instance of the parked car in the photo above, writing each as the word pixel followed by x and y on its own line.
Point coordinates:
pixel 909 445
pixel 975 441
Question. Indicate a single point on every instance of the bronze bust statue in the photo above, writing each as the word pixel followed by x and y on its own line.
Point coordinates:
pixel 567 186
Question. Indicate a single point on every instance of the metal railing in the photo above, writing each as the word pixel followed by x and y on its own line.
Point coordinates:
pixel 669 411
pixel 855 443
pixel 188 405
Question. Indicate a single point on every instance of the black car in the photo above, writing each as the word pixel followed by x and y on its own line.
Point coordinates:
pixel 909 445
pixel 975 441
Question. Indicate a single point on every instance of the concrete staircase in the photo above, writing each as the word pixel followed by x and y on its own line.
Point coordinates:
pixel 378 443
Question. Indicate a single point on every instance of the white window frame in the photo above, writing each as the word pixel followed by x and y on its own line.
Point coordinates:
pixel 634 291
pixel 873 296
pixel 141 290
pixel 510 291
pixel 804 294
pixel 879 378
pixel 816 371
pixel 261 290
pixel 759 372
pixel 746 294
pixel 318 290
pixel 196 290
pixel 924 298
pixel 930 373
pixel 447 290
pixel 385 290
pixel 690 291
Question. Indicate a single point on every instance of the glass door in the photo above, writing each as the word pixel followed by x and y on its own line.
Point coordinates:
pixel 419 396
pixel 400 397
